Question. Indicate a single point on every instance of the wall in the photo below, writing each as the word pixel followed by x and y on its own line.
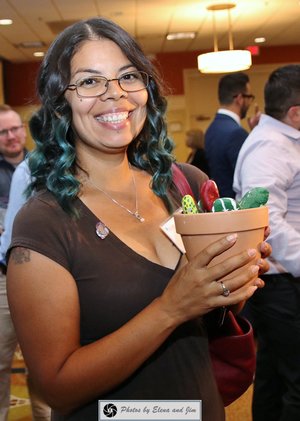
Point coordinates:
pixel 172 65
pixel 188 107
pixel 1 83
pixel 26 112
pixel 20 82
pixel 194 95
pixel 198 106
pixel 201 94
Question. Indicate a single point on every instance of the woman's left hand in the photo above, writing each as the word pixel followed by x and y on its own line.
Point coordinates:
pixel 265 250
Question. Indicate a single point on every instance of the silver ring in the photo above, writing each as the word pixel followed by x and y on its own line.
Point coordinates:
pixel 225 291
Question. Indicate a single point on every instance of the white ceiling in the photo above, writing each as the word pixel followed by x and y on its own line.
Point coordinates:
pixel 149 21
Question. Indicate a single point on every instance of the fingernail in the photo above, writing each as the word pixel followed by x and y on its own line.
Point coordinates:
pixel 263 246
pixel 259 283
pixel 254 269
pixel 252 252
pixel 231 238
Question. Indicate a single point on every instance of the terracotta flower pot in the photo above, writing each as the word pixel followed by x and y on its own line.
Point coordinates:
pixel 199 230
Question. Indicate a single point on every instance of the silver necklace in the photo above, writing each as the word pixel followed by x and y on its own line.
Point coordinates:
pixel 136 213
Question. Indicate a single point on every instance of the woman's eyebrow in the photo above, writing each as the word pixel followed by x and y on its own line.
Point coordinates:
pixel 98 72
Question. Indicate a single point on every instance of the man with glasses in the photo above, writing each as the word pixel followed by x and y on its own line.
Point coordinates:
pixel 225 135
pixel 12 152
pixel 270 157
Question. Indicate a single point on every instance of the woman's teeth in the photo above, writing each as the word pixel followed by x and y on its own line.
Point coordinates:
pixel 113 117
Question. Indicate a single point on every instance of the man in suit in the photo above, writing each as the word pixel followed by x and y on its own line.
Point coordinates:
pixel 225 135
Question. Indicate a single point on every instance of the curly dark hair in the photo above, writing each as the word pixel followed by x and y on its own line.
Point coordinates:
pixel 53 162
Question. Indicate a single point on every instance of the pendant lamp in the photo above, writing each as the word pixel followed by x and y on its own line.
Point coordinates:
pixel 224 61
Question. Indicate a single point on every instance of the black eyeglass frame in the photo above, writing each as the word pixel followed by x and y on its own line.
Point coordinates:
pixel 249 96
pixel 145 76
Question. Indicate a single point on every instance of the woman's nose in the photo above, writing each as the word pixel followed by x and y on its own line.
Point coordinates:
pixel 113 91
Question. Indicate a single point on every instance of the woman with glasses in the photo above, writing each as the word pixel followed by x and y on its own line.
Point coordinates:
pixel 105 305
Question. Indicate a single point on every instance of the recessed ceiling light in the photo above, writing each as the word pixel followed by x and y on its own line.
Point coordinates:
pixel 31 44
pixel 6 21
pixel 260 40
pixel 180 35
pixel 38 54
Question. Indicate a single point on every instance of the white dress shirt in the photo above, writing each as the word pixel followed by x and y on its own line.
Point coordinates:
pixel 230 114
pixel 270 158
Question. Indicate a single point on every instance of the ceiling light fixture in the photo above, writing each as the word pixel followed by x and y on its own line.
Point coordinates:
pixel 260 40
pixel 225 61
pixel 180 35
pixel 39 54
pixel 6 21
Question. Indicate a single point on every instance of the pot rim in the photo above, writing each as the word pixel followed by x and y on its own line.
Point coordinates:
pixel 218 222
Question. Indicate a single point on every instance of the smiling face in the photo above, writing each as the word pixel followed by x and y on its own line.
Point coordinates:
pixel 12 134
pixel 109 122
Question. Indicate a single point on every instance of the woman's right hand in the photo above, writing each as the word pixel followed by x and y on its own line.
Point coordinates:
pixel 195 289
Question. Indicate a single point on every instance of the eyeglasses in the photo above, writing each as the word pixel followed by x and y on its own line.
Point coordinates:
pixel 249 96
pixel 14 130
pixel 94 86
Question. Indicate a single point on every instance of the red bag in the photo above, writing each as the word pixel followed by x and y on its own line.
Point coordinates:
pixel 231 344
pixel 233 356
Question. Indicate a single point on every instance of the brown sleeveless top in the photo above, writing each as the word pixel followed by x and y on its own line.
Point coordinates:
pixel 110 296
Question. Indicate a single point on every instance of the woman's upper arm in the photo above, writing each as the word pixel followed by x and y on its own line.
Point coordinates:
pixel 44 305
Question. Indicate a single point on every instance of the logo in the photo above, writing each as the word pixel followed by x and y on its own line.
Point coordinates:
pixel 147 410
pixel 110 410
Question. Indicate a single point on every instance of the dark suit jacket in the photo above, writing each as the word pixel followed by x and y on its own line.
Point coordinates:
pixel 199 160
pixel 223 141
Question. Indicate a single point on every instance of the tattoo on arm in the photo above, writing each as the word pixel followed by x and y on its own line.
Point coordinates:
pixel 20 255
